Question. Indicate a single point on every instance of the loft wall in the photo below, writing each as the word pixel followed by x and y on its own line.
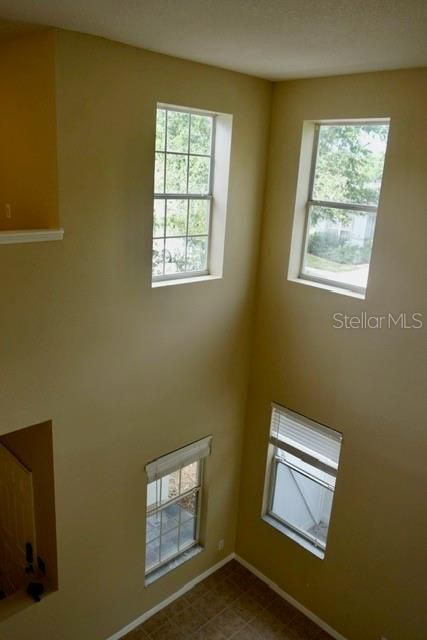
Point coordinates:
pixel 369 384
pixel 126 372
pixel 28 163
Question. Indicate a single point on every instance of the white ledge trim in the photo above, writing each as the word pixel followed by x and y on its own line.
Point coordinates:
pixel 191 280
pixel 329 287
pixel 30 235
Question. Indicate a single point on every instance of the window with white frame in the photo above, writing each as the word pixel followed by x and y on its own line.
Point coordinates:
pixel 183 192
pixel 302 468
pixel 174 490
pixel 341 208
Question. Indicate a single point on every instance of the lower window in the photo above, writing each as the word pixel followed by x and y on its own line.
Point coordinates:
pixel 338 247
pixel 301 476
pixel 173 507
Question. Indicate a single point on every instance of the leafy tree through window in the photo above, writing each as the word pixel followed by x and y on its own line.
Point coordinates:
pixel 183 192
pixel 345 185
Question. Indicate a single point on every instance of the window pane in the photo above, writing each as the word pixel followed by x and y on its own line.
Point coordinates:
pixel 159 218
pixel 302 503
pixel 305 467
pixel 188 506
pixel 197 254
pixel 350 163
pixel 170 517
pixel 153 493
pixel 339 245
pixel 189 477
pixel 159 173
pixel 199 175
pixel 153 527
pixel 175 255
pixel 178 131
pixel 201 134
pixel 176 217
pixel 198 219
pixel 169 486
pixel 169 544
pixel 187 533
pixel 176 173
pixel 158 257
pixel 160 129
pixel 184 146
pixel 152 554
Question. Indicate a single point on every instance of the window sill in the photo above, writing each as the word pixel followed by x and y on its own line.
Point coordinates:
pixel 173 564
pixel 155 284
pixel 30 235
pixel 328 287
pixel 294 536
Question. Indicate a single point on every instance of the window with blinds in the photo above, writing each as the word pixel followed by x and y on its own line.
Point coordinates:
pixel 304 458
pixel 174 485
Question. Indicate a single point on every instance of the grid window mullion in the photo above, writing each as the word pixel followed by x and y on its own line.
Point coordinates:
pixel 158 513
pixel 191 153
pixel 332 204
pixel 178 263
pixel 179 529
pixel 164 188
pixel 188 201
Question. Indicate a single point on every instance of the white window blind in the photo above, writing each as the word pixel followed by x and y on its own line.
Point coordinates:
pixel 294 433
pixel 180 458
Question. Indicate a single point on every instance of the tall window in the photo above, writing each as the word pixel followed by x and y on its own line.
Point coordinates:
pixel 301 475
pixel 183 189
pixel 344 191
pixel 173 506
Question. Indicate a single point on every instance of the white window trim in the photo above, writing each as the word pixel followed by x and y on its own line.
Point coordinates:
pixel 218 195
pixel 304 200
pixel 303 538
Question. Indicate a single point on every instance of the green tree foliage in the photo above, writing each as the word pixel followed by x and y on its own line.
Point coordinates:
pixel 182 166
pixel 349 167
pixel 331 246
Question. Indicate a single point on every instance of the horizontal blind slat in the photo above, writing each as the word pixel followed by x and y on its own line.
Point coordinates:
pixel 301 433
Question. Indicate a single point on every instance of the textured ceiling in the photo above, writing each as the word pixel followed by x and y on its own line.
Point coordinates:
pixel 273 39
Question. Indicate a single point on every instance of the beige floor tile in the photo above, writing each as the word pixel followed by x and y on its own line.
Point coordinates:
pixel 231 604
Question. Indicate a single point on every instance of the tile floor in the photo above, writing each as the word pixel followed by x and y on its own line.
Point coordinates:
pixel 230 603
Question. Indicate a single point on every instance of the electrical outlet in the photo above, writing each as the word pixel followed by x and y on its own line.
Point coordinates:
pixel 8 210
pixel 220 545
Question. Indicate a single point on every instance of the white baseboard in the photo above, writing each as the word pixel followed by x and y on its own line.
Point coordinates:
pixel 320 623
pixel 144 616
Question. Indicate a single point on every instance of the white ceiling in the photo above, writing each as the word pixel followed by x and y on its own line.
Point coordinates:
pixel 274 39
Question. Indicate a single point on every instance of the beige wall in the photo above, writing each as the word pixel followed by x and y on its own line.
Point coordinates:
pixel 126 372
pixel 368 384
pixel 28 169
pixel 33 447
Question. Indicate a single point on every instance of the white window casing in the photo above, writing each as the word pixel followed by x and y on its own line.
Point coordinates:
pixel 302 464
pixel 214 197
pixel 306 203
